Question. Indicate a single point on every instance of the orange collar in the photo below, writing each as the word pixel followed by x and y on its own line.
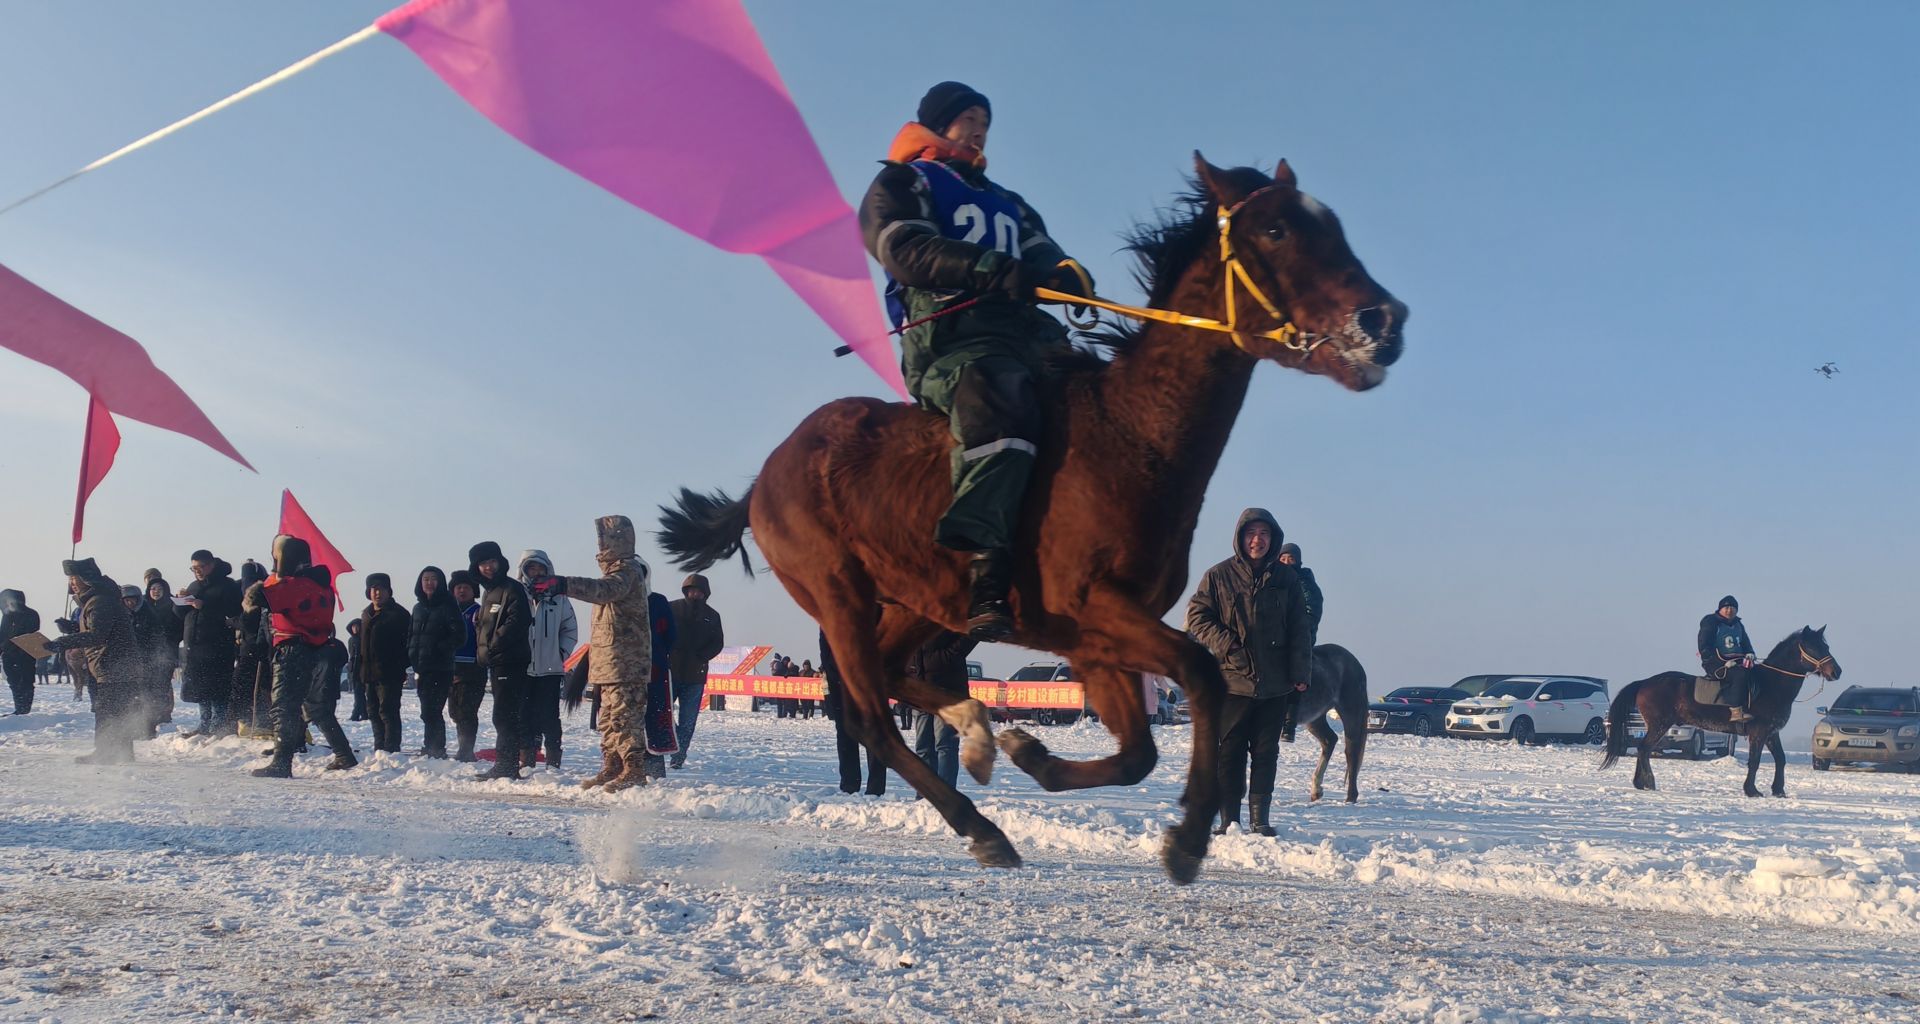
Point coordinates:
pixel 918 142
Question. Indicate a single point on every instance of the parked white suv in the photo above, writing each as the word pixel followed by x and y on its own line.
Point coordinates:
pixel 1533 708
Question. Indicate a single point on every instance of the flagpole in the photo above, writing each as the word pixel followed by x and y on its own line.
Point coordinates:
pixel 258 87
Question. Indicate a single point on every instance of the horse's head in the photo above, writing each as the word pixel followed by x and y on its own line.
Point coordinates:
pixel 1817 656
pixel 1296 259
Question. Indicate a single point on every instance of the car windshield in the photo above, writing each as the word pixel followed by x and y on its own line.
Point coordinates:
pixel 1516 690
pixel 1033 674
pixel 1418 693
pixel 1876 703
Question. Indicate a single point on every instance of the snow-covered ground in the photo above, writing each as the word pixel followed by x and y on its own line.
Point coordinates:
pixel 1473 882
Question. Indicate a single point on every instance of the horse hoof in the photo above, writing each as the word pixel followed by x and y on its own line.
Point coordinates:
pixel 1183 866
pixel 1023 749
pixel 994 852
pixel 977 759
pixel 1779 792
pixel 1753 792
pixel 1353 798
pixel 1313 797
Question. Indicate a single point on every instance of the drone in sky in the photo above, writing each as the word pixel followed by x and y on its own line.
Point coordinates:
pixel 1826 370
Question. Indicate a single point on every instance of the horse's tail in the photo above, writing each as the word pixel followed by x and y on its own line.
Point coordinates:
pixel 704 529
pixel 1617 722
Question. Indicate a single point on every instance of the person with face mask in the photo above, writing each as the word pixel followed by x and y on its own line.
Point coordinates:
pixel 16 619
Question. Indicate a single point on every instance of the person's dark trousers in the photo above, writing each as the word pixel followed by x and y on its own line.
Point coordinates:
pixel 464 698
pixel 849 750
pixel 359 701
pixel 433 688
pixel 937 744
pixel 299 693
pixel 20 681
pixel 783 708
pixel 1249 730
pixel 511 688
pixel 543 716
pixel 250 703
pixel 383 705
pixel 688 696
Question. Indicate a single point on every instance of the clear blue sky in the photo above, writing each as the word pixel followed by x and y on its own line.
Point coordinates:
pixel 1628 233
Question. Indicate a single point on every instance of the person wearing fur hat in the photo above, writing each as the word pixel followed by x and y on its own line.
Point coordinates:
pixel 212 599
pixel 101 632
pixel 963 257
pixel 620 656
pixel 299 600
pixel 503 645
pixel 167 629
pixel 437 633
pixel 385 628
pixel 554 634
pixel 16 619
pixel 469 687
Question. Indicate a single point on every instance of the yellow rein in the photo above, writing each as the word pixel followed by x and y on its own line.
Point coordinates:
pixel 1286 334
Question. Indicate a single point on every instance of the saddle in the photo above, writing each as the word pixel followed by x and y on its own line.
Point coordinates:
pixel 1707 690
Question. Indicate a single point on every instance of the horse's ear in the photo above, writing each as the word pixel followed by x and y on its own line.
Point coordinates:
pixel 1822 630
pixel 1216 181
pixel 1283 175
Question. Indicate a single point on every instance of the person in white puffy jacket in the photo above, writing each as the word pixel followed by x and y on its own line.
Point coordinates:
pixel 553 633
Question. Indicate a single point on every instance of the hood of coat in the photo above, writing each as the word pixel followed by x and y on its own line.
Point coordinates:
pixel 1256 515
pixel 12 600
pixel 443 595
pixel 532 555
pixel 157 580
pixel 699 583
pixel 139 597
pixel 616 540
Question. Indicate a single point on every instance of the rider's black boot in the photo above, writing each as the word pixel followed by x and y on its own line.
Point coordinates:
pixel 989 617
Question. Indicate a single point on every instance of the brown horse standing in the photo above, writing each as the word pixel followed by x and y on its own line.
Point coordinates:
pixel 1667 699
pixel 844 509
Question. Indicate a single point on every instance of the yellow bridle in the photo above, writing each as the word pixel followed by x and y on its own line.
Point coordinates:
pixel 1287 334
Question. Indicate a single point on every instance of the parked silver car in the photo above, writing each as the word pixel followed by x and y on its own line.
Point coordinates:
pixel 1872 727
pixel 1688 741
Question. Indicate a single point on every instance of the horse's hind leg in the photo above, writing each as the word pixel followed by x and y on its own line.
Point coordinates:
pixel 848 616
pixel 1779 763
pixel 1324 733
pixel 1353 727
pixel 1116 697
pixel 1658 723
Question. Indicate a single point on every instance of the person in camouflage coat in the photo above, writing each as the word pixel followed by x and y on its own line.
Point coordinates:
pixel 619 651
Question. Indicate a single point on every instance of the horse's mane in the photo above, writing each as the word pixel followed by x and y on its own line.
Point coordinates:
pixel 1161 248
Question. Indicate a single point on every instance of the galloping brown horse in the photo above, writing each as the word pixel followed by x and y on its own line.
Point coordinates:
pixel 1667 698
pixel 844 509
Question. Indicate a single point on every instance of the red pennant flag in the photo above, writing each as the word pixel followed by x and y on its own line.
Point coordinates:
pixel 111 366
pixel 294 522
pixel 96 457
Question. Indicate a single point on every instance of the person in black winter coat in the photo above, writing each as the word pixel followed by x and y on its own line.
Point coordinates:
pixel 251 697
pixel 503 645
pixel 16 619
pixel 1250 611
pixel 844 742
pixel 385 628
pixel 168 627
pixel 1726 654
pixel 101 635
pixel 438 632
pixel 213 599
pixel 1309 587
pixel 353 673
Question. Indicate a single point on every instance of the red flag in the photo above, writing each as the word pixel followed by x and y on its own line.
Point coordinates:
pixel 294 522
pixel 113 368
pixel 96 457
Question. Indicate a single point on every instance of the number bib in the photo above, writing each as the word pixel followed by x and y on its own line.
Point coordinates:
pixel 982 217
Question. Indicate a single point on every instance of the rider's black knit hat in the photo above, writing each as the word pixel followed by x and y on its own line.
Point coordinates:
pixel 949 100
pixel 1729 602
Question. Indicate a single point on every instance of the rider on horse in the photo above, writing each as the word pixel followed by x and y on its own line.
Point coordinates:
pixel 1726 654
pixel 965 255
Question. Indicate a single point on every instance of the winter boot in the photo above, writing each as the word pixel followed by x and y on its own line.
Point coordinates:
pixel 1229 817
pixel 465 753
pixel 342 748
pixel 506 765
pixel 1257 805
pixel 281 767
pixel 633 772
pixel 989 616
pixel 609 770
pixel 1287 726
pixel 342 761
pixel 654 765
pixel 553 756
pixel 530 758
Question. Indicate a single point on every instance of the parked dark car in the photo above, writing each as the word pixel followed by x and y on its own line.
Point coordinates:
pixel 1420 710
pixel 1874 727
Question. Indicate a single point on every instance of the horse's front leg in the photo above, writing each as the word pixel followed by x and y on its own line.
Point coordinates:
pixel 1779 764
pixel 1754 744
